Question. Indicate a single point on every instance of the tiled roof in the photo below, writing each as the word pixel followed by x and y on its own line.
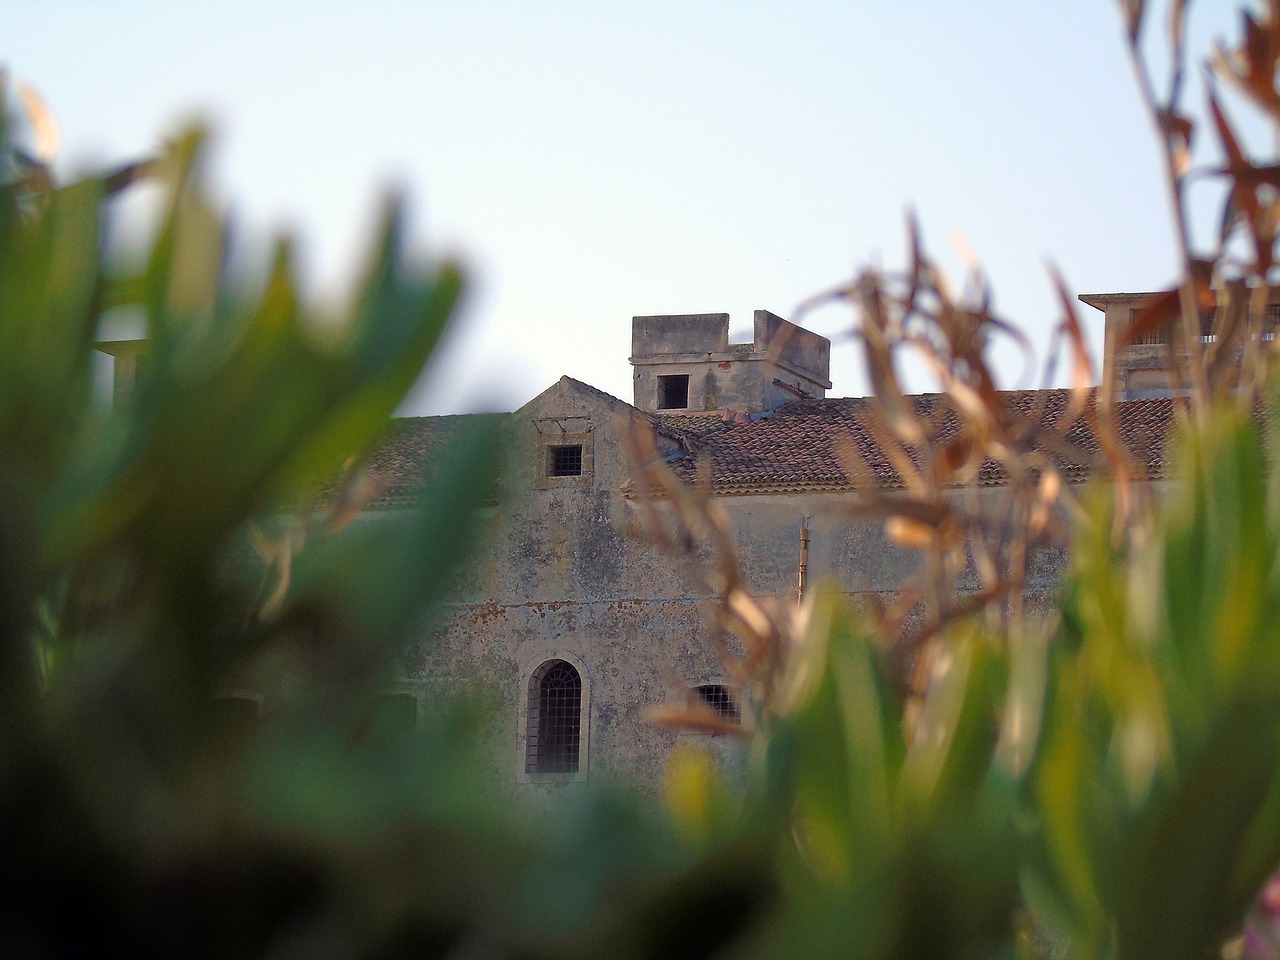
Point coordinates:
pixel 401 460
pixel 801 446
pixel 798 447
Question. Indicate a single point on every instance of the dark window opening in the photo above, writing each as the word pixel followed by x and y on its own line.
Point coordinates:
pixel 1272 321
pixel 555 719
pixel 720 699
pixel 1207 319
pixel 1151 337
pixel 565 461
pixel 673 392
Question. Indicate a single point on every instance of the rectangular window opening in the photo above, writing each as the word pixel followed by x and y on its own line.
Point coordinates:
pixel 564 461
pixel 720 699
pixel 1151 337
pixel 673 392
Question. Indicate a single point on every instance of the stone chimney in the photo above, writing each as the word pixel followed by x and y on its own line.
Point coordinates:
pixel 685 363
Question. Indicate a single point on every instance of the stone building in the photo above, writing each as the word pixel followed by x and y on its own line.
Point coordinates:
pixel 1145 366
pixel 578 628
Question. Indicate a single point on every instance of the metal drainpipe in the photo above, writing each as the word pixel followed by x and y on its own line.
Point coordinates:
pixel 804 559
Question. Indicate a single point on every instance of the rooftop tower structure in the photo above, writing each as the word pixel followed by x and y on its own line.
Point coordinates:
pixel 685 363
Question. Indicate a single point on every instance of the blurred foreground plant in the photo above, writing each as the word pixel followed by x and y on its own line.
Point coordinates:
pixel 1099 781
pixel 162 552
pixel 959 774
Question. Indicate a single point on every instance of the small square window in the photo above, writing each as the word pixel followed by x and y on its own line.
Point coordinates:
pixel 562 457
pixel 564 461
pixel 720 699
pixel 673 392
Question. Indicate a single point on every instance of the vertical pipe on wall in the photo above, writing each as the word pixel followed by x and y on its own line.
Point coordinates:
pixel 803 578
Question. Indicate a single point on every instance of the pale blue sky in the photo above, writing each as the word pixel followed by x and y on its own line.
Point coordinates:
pixel 590 161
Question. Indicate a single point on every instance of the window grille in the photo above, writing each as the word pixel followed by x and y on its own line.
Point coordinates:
pixel 1271 322
pixel 1151 337
pixel 720 699
pixel 555 719
pixel 673 392
pixel 564 461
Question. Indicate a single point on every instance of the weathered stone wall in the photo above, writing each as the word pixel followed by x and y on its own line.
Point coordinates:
pixel 689 334
pixel 560 578
pixel 794 348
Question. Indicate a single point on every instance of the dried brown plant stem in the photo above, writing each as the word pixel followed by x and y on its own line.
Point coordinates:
pixel 1174 134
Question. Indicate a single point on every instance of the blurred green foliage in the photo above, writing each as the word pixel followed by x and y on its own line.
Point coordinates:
pixel 146 815
pixel 1103 786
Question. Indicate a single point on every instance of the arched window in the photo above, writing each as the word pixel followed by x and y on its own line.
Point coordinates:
pixel 554 719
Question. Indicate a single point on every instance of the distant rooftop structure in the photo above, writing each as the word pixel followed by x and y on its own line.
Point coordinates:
pixel 1145 368
pixel 685 363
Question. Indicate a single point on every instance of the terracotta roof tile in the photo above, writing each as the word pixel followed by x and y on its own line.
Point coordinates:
pixel 401 460
pixel 797 447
